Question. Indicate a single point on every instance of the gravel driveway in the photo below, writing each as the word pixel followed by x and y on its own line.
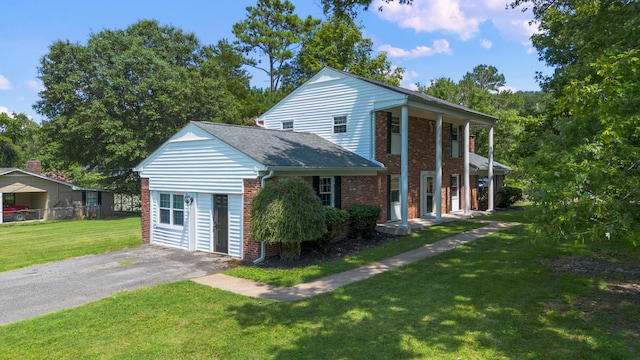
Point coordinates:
pixel 40 289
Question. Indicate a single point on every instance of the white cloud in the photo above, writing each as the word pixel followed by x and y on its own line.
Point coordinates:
pixel 35 85
pixel 5 84
pixel 430 16
pixel 507 88
pixel 439 47
pixel 5 110
pixel 460 17
pixel 486 43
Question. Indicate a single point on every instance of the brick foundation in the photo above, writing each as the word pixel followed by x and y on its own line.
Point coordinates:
pixel 145 199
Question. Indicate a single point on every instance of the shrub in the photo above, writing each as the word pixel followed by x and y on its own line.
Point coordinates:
pixel 507 196
pixel 287 211
pixel 336 221
pixel 362 220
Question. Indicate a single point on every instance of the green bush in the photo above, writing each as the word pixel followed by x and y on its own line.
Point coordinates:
pixel 336 221
pixel 507 196
pixel 287 211
pixel 362 220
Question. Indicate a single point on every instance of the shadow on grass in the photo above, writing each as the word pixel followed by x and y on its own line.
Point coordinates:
pixel 483 300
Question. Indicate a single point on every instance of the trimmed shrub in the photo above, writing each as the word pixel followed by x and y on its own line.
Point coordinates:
pixel 287 211
pixel 336 221
pixel 507 196
pixel 362 220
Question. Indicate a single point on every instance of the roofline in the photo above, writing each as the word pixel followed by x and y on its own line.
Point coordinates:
pixel 71 185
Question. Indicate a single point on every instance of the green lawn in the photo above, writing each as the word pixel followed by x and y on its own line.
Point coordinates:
pixel 27 244
pixel 490 299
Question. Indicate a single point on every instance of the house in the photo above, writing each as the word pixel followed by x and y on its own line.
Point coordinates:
pixel 48 198
pixel 353 139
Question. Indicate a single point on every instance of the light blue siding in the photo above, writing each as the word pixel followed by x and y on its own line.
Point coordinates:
pixel 194 162
pixel 203 222
pixel 314 104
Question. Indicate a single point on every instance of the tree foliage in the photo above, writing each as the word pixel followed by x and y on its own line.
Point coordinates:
pixel 351 8
pixel 113 101
pixel 272 29
pixel 338 43
pixel 587 170
pixel 287 210
pixel 18 140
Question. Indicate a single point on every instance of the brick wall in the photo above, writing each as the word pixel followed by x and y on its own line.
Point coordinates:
pixel 251 248
pixel 145 199
pixel 422 157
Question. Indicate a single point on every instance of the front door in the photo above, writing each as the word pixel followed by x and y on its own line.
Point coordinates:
pixel 394 197
pixel 455 193
pixel 221 224
pixel 426 192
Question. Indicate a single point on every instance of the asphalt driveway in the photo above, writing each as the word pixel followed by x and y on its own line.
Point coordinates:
pixel 40 289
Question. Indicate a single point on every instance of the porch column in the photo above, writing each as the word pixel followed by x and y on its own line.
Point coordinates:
pixel 467 188
pixel 1 217
pixel 404 168
pixel 437 193
pixel 490 175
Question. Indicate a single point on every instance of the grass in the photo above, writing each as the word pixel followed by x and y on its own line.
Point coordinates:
pixel 490 299
pixel 294 276
pixel 28 244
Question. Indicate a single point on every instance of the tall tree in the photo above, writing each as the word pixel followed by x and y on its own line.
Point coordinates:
pixel 113 101
pixel 338 43
pixel 351 8
pixel 273 30
pixel 587 171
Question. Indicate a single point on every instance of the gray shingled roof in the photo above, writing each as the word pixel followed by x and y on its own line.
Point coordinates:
pixel 287 149
pixel 480 162
pixel 420 96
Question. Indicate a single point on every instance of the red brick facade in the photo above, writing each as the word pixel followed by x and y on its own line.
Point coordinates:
pixel 145 199
pixel 250 247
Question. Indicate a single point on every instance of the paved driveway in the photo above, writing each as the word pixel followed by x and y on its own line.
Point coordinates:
pixel 40 289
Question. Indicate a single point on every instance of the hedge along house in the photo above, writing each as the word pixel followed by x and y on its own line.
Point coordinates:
pixel 48 198
pixel 197 188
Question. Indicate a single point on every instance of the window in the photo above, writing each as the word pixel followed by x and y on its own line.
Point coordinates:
pixel 91 198
pixel 395 125
pixel 172 209
pixel 456 142
pixel 9 199
pixel 287 125
pixel 340 124
pixel 325 191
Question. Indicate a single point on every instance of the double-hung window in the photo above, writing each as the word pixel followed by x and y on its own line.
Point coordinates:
pixel 326 191
pixel 172 209
pixel 340 124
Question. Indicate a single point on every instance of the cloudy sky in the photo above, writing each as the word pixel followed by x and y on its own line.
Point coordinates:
pixel 431 39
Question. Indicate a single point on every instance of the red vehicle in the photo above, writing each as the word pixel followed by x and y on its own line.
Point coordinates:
pixel 14 212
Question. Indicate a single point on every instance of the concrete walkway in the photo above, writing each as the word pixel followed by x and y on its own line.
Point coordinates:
pixel 332 282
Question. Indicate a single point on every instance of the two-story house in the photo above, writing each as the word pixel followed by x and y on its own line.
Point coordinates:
pixel 355 140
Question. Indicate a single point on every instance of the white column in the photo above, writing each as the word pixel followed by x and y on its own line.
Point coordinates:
pixel 490 175
pixel 404 168
pixel 437 192
pixel 467 188
pixel 1 217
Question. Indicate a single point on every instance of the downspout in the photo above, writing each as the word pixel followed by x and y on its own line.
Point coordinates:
pixel 263 251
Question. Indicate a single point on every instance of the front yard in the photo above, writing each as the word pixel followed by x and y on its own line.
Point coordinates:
pixel 501 297
pixel 28 244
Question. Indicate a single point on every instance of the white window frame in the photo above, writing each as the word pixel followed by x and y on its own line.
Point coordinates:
pixel 338 123
pixel 91 198
pixel 286 127
pixel 395 124
pixel 326 190
pixel 175 209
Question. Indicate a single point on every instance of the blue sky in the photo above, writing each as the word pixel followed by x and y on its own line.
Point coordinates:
pixel 430 39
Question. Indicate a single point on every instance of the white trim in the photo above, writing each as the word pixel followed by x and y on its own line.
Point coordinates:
pixel 346 125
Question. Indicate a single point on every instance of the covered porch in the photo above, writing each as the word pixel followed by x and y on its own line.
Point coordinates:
pixel 395 227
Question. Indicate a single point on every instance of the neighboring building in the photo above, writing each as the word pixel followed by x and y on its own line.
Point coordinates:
pixel 47 198
pixel 355 140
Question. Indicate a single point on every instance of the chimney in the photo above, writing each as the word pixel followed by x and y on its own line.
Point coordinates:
pixel 472 143
pixel 34 166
